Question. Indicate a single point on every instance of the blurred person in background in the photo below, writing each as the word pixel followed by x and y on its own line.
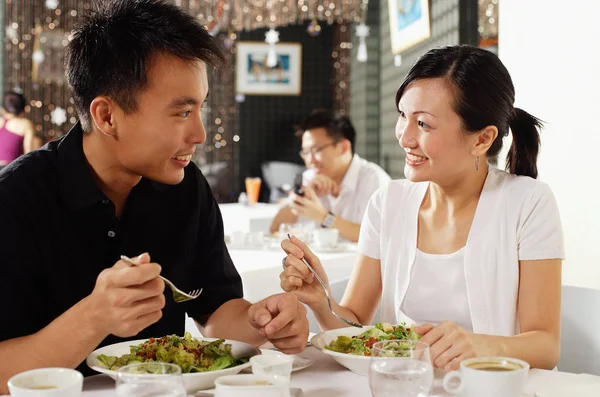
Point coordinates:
pixel 17 135
pixel 338 183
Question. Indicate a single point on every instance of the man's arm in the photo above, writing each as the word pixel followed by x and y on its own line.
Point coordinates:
pixel 348 230
pixel 285 215
pixel 65 342
pixel 126 300
pixel 279 319
pixel 230 322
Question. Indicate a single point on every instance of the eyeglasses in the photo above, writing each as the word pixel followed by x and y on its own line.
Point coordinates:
pixel 316 151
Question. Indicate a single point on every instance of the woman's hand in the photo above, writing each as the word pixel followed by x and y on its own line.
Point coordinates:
pixel 450 344
pixel 297 278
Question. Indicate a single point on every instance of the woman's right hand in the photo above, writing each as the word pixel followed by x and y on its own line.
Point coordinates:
pixel 298 279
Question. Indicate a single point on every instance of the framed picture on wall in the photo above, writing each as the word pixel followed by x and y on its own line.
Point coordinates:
pixel 409 23
pixel 254 77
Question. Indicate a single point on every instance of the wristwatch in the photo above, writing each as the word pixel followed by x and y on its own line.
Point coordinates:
pixel 328 221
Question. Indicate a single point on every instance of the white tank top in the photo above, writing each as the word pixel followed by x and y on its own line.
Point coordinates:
pixel 438 290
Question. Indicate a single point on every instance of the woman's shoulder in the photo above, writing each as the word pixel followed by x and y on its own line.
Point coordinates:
pixel 517 187
pixel 19 126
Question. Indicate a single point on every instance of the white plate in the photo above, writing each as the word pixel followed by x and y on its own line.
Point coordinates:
pixel 192 382
pixel 341 247
pixel 300 362
pixel 357 364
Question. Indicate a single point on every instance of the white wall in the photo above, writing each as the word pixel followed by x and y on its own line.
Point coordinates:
pixel 551 50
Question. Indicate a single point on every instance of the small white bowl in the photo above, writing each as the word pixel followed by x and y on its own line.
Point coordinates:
pixel 46 382
pixel 357 364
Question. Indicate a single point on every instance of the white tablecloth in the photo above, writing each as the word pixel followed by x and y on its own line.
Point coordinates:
pixel 260 269
pixel 254 218
pixel 326 378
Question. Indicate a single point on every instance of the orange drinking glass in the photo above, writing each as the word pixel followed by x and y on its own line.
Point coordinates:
pixel 253 189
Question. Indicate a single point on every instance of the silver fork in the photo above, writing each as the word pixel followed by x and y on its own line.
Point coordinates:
pixel 342 319
pixel 178 295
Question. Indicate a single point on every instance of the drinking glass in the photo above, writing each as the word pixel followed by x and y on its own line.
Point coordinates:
pixel 400 368
pixel 253 189
pixel 150 380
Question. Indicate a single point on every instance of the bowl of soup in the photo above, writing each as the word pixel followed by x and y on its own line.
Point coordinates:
pixel 46 382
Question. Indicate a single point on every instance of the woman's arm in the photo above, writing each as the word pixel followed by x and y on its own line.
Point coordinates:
pixel 29 139
pixel 539 315
pixel 538 308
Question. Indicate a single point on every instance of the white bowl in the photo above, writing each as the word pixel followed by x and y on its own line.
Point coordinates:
pixel 192 381
pixel 357 364
pixel 46 382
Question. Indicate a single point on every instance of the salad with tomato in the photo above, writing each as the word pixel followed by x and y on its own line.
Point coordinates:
pixel 361 344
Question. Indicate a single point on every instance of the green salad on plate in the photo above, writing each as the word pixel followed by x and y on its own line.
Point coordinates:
pixel 191 354
pixel 361 344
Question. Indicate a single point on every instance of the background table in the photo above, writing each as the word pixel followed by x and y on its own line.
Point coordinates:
pixel 260 269
pixel 248 218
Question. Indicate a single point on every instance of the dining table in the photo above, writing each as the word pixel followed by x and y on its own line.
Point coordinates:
pixel 248 218
pixel 326 378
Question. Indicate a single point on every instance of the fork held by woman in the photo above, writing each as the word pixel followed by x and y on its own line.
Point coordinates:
pixel 298 276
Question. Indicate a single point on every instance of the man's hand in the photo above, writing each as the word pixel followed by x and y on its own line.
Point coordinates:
pixel 308 206
pixel 127 299
pixel 282 320
pixel 323 186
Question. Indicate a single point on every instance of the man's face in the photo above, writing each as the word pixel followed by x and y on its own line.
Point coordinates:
pixel 157 141
pixel 321 152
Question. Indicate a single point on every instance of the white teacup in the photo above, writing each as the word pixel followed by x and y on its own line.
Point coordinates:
pixel 489 377
pixel 46 382
pixel 255 238
pixel 272 364
pixel 238 237
pixel 326 238
pixel 248 385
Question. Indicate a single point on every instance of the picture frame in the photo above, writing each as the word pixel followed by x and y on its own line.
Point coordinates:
pixel 254 77
pixel 409 23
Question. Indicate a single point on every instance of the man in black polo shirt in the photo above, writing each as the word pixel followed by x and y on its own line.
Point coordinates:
pixel 121 182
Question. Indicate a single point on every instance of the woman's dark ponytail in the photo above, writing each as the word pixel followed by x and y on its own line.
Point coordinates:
pixel 523 153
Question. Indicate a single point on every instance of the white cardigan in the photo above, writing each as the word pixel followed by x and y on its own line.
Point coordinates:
pixel 516 219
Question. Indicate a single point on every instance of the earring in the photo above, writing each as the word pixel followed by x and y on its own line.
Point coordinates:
pixel 477 164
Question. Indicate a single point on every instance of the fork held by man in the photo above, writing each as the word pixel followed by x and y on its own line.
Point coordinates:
pixel 178 295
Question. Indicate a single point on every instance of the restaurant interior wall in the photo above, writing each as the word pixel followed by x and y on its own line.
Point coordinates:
pixel 551 53
pixel 266 122
pixel 445 18
pixel 364 89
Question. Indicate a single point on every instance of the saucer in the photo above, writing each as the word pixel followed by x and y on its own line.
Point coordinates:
pixel 294 392
pixel 340 247
pixel 300 362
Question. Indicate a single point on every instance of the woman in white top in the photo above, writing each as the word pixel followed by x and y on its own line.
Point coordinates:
pixel 471 253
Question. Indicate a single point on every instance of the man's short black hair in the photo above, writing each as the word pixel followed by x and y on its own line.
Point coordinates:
pixel 111 52
pixel 14 102
pixel 337 126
